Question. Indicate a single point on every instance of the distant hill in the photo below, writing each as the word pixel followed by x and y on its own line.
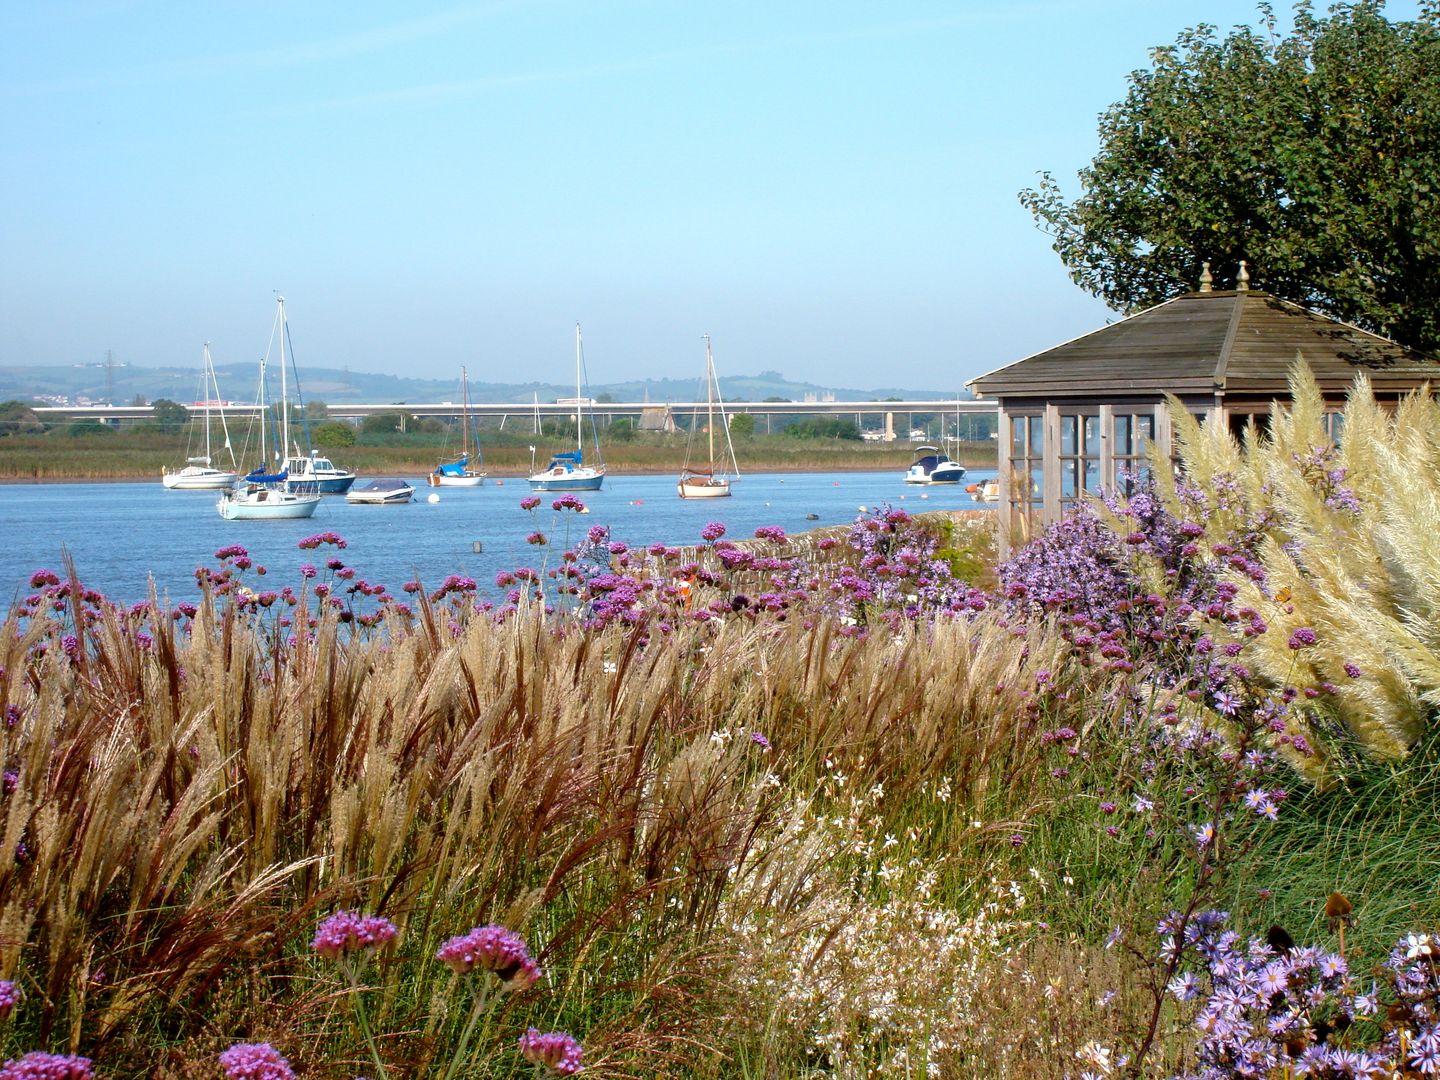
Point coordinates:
pixel 87 383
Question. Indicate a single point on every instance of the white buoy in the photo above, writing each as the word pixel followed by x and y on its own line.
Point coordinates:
pixel 924 495
pixel 862 509
pixel 432 498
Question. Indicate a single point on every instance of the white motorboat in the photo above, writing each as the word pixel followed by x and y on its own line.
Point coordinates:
pixel 266 496
pixel 567 471
pixel 933 466
pixel 381 493
pixel 706 483
pixel 199 473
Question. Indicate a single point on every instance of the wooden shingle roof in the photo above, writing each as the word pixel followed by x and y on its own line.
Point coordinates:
pixel 1232 341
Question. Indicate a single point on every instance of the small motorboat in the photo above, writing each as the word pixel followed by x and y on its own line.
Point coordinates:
pixel 989 491
pixel 381 492
pixel 933 466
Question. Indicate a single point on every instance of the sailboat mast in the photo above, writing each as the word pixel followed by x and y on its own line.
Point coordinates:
pixel 710 400
pixel 284 388
pixel 579 435
pixel 204 389
pixel 465 416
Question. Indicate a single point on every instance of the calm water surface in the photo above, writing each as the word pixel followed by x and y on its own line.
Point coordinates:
pixel 120 535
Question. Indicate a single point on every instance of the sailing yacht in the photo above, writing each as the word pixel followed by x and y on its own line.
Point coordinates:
pixel 199 473
pixel 461 472
pixel 267 496
pixel 567 471
pixel 706 483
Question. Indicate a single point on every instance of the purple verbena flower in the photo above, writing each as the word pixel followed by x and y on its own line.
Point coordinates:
pixel 255 1061
pixel 494 949
pixel 555 1050
pixel 349 931
pixel 38 1065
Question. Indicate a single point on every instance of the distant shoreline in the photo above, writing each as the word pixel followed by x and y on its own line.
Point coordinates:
pixel 507 477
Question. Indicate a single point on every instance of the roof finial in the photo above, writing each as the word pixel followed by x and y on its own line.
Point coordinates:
pixel 1242 279
pixel 1205 279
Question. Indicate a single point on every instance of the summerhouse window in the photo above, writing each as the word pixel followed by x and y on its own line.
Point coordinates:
pixel 1027 462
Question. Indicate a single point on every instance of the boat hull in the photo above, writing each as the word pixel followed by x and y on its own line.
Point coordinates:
pixel 469 480
pixel 704 488
pixel 320 485
pixel 198 480
pixel 949 473
pixel 366 497
pixel 267 505
pixel 571 480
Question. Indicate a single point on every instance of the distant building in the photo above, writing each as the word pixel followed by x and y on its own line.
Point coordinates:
pixel 656 418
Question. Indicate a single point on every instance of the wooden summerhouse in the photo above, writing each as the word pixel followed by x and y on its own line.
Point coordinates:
pixel 1078 417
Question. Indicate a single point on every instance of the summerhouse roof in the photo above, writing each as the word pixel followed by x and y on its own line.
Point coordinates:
pixel 1233 342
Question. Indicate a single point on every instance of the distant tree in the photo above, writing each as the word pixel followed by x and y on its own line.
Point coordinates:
pixel 84 428
pixel 605 399
pixel 823 427
pixel 428 426
pixel 316 410
pixel 1313 156
pixel 621 430
pixel 19 418
pixel 169 415
pixel 385 423
pixel 773 398
pixel 742 426
pixel 333 434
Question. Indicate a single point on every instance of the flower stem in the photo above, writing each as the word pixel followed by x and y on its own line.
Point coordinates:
pixel 360 1015
pixel 481 1000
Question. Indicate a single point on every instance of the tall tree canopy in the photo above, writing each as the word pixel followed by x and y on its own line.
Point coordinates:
pixel 1315 156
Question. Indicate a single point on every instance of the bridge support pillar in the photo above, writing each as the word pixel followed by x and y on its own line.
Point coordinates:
pixel 889 427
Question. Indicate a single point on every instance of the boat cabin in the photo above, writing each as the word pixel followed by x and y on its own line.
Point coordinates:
pixel 1079 418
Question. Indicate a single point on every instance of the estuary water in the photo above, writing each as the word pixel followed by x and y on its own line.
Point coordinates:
pixel 122 534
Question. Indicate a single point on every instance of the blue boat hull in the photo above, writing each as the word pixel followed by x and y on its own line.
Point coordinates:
pixel 330 485
pixel 589 483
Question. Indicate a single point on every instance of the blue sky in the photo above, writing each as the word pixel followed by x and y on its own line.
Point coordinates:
pixel 827 188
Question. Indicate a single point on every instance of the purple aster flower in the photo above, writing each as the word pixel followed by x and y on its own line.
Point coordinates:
pixel 349 931
pixel 760 740
pixel 555 1050
pixel 41 1066
pixel 255 1061
pixel 493 949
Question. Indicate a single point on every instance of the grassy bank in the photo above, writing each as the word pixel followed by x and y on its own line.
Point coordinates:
pixel 123 456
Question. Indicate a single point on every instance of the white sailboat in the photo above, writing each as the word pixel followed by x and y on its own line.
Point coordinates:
pixel 567 471
pixel 263 496
pixel 199 473
pixel 706 483
pixel 463 471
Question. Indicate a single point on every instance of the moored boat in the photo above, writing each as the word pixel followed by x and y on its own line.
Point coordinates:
pixel 199 473
pixel 267 496
pixel 381 493
pixel 567 471
pixel 933 466
pixel 464 471
pixel 706 483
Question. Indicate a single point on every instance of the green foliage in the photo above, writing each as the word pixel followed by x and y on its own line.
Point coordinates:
pixel 823 427
pixel 621 430
pixel 169 415
pixel 333 434
pixel 742 426
pixel 1312 156
pixel 19 418
pixel 315 409
pixel 382 423
pixel 84 428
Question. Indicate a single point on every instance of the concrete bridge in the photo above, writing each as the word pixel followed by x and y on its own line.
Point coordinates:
pixel 891 413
